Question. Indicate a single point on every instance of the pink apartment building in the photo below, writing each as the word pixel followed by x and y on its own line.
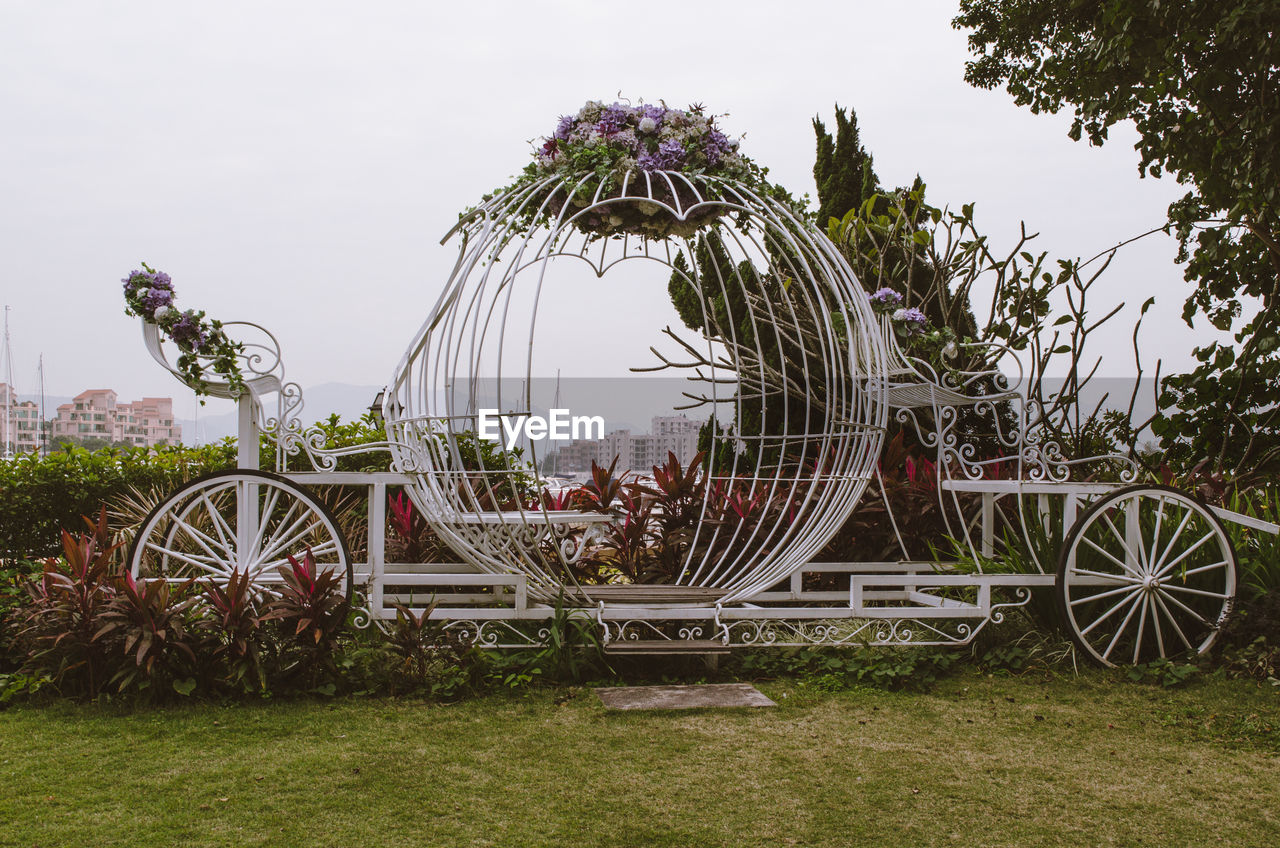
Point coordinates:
pixel 98 413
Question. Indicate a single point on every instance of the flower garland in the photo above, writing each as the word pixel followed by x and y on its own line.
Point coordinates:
pixel 912 325
pixel 202 343
pixel 604 143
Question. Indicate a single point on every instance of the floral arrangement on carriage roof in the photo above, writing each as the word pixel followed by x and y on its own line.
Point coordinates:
pixel 202 343
pixel 604 147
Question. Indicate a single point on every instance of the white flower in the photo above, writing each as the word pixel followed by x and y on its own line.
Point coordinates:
pixel 950 350
pixel 161 313
pixel 648 125
pixel 900 315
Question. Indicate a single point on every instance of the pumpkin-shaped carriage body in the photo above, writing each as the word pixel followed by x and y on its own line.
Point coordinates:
pixel 787 351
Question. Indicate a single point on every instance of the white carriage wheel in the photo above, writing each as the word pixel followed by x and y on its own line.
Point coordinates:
pixel 1146 572
pixel 250 521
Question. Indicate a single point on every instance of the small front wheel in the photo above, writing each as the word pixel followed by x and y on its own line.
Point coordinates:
pixel 1146 572
pixel 247 521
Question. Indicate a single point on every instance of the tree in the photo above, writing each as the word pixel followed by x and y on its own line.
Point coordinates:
pixel 1201 82
pixel 842 168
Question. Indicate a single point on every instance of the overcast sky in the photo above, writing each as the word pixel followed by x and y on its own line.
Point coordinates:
pixel 296 163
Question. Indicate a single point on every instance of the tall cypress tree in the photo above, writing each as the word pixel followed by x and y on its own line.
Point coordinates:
pixel 843 169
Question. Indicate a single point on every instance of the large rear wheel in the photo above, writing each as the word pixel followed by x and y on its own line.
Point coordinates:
pixel 1146 572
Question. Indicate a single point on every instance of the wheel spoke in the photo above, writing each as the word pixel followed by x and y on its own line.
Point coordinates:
pixel 1123 544
pixel 1120 630
pixel 1219 564
pixel 1165 570
pixel 1108 555
pixel 225 531
pixel 1155 537
pixel 1142 623
pixel 264 520
pixel 1173 622
pixel 1133 518
pixel 1177 534
pixel 1135 590
pixel 328 547
pixel 1102 575
pixel 203 540
pixel 278 544
pixel 1155 624
pixel 215 567
pixel 1171 588
pixel 1101 595
pixel 1188 610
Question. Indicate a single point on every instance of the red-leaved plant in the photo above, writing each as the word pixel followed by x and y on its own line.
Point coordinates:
pixel 312 609
pixel 150 616
pixel 233 623
pixel 58 629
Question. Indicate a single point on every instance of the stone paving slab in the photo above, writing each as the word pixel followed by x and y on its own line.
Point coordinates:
pixel 696 696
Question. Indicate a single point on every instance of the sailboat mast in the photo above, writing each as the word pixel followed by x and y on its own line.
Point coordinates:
pixel 6 448
pixel 43 441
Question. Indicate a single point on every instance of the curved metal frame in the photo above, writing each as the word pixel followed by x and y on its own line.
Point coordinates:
pixel 500 249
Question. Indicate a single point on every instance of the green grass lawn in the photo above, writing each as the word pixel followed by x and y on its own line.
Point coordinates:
pixel 979 761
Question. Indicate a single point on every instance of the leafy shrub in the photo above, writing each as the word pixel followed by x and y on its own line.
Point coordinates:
pixel 428 658
pixel 14 577
pixel 1258 552
pixel 234 638
pixel 910 482
pixel 45 494
pixel 312 610
pixel 58 629
pixel 1166 672
pixel 150 620
pixel 831 669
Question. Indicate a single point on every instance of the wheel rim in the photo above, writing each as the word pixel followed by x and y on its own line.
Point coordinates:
pixel 1146 573
pixel 247 522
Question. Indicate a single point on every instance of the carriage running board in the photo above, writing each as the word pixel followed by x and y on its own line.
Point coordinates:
pixel 910 596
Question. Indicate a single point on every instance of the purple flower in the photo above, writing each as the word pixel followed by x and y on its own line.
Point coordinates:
pixel 626 140
pixel 885 298
pixel 188 331
pixel 913 320
pixel 155 298
pixel 564 127
pixel 613 119
pixel 670 155
pixel 653 113
pixel 717 145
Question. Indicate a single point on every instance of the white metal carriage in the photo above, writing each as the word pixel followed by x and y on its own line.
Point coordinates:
pixel 791 356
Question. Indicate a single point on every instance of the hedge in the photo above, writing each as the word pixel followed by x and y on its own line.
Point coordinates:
pixel 39 495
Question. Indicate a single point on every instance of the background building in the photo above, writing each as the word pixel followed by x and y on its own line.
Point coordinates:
pixel 638 453
pixel 98 414
pixel 21 433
